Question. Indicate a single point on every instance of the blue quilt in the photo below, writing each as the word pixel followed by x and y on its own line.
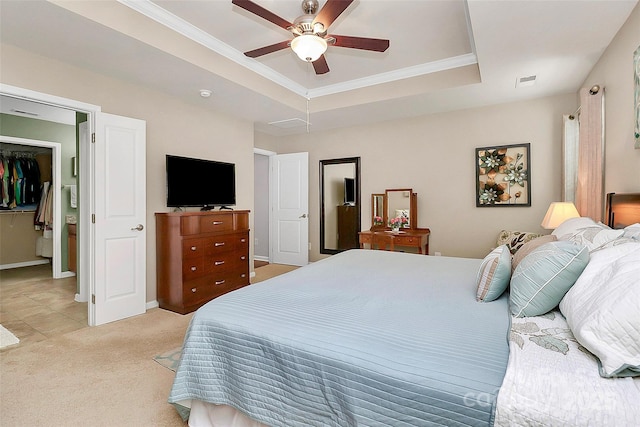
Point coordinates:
pixel 369 338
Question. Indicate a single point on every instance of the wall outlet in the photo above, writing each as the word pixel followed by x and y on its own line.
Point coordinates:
pixel 438 253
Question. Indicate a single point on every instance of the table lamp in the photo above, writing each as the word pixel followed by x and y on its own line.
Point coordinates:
pixel 557 213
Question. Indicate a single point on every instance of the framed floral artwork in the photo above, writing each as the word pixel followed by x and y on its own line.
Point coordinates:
pixel 503 175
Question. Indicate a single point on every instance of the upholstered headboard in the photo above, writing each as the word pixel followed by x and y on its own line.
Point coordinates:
pixel 622 209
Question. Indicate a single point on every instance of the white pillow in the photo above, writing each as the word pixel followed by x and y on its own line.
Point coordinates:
pixel 603 309
pixel 594 237
pixel 571 226
pixel 632 231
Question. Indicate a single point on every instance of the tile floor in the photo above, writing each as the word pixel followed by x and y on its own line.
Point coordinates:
pixel 34 306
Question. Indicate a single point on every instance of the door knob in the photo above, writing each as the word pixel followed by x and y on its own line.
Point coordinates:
pixel 303 216
pixel 139 227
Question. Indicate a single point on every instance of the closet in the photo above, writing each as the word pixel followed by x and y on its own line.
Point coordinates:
pixel 26 205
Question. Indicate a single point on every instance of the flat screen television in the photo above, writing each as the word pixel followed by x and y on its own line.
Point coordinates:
pixel 349 191
pixel 198 182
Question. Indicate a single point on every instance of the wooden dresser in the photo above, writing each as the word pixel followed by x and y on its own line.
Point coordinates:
pixel 200 256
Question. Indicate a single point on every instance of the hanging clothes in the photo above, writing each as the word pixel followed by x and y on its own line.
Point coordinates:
pixel 39 217
pixel 20 175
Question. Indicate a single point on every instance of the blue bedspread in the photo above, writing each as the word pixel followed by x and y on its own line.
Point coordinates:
pixel 369 338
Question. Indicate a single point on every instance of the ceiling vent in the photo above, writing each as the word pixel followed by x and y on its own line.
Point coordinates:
pixel 525 81
pixel 289 123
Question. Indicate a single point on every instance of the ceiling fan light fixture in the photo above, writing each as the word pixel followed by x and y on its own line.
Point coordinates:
pixel 309 47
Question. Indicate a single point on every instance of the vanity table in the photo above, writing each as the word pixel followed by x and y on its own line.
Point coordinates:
pixel 392 204
pixel 414 238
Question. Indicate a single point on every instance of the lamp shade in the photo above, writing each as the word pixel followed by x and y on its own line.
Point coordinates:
pixel 558 213
pixel 309 47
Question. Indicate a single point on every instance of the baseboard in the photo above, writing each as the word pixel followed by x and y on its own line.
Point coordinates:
pixel 78 299
pixel 260 258
pixel 66 274
pixel 253 274
pixel 24 264
pixel 152 304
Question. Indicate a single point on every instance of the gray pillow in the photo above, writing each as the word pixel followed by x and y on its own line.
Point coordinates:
pixel 543 277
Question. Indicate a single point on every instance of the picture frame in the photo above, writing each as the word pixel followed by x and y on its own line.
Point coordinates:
pixel 503 176
pixel 636 96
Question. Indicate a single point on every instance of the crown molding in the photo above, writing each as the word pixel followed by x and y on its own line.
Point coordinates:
pixel 179 25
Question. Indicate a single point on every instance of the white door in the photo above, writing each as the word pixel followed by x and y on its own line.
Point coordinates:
pixel 290 209
pixel 119 201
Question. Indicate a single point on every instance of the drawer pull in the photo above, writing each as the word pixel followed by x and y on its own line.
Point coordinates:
pixel 218 244
pixel 193 248
pixel 243 240
pixel 218 263
pixel 243 257
pixel 219 282
pixel 243 275
pixel 193 290
pixel 217 222
pixel 194 268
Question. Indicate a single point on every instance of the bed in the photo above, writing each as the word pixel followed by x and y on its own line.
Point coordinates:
pixel 382 338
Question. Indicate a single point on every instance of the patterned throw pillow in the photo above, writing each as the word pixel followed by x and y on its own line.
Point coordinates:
pixel 494 274
pixel 515 239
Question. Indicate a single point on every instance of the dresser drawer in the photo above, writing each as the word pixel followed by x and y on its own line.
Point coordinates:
pixel 219 244
pixel 193 248
pixel 214 223
pixel 192 268
pixel 401 240
pixel 208 287
pixel 218 263
pixel 242 243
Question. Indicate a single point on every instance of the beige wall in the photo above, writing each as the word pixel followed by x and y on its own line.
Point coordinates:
pixel 172 127
pixel 614 72
pixel 435 155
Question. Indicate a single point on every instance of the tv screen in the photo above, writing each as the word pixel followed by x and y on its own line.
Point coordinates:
pixel 349 191
pixel 198 182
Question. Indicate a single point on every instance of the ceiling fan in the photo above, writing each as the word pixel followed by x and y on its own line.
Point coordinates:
pixel 310 38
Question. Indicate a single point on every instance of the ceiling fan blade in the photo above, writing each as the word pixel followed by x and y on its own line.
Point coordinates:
pixel 365 43
pixel 268 49
pixel 262 13
pixel 330 11
pixel 320 65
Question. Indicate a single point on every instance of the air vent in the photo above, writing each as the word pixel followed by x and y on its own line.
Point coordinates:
pixel 26 113
pixel 525 81
pixel 289 123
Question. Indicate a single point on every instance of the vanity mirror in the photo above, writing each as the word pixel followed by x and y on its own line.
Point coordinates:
pixel 339 204
pixel 377 212
pixel 401 203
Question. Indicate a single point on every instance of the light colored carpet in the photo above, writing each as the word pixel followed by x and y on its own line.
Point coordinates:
pixel 271 270
pixel 100 376
pixel 7 338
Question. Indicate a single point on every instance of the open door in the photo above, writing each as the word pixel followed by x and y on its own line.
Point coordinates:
pixel 290 207
pixel 119 201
